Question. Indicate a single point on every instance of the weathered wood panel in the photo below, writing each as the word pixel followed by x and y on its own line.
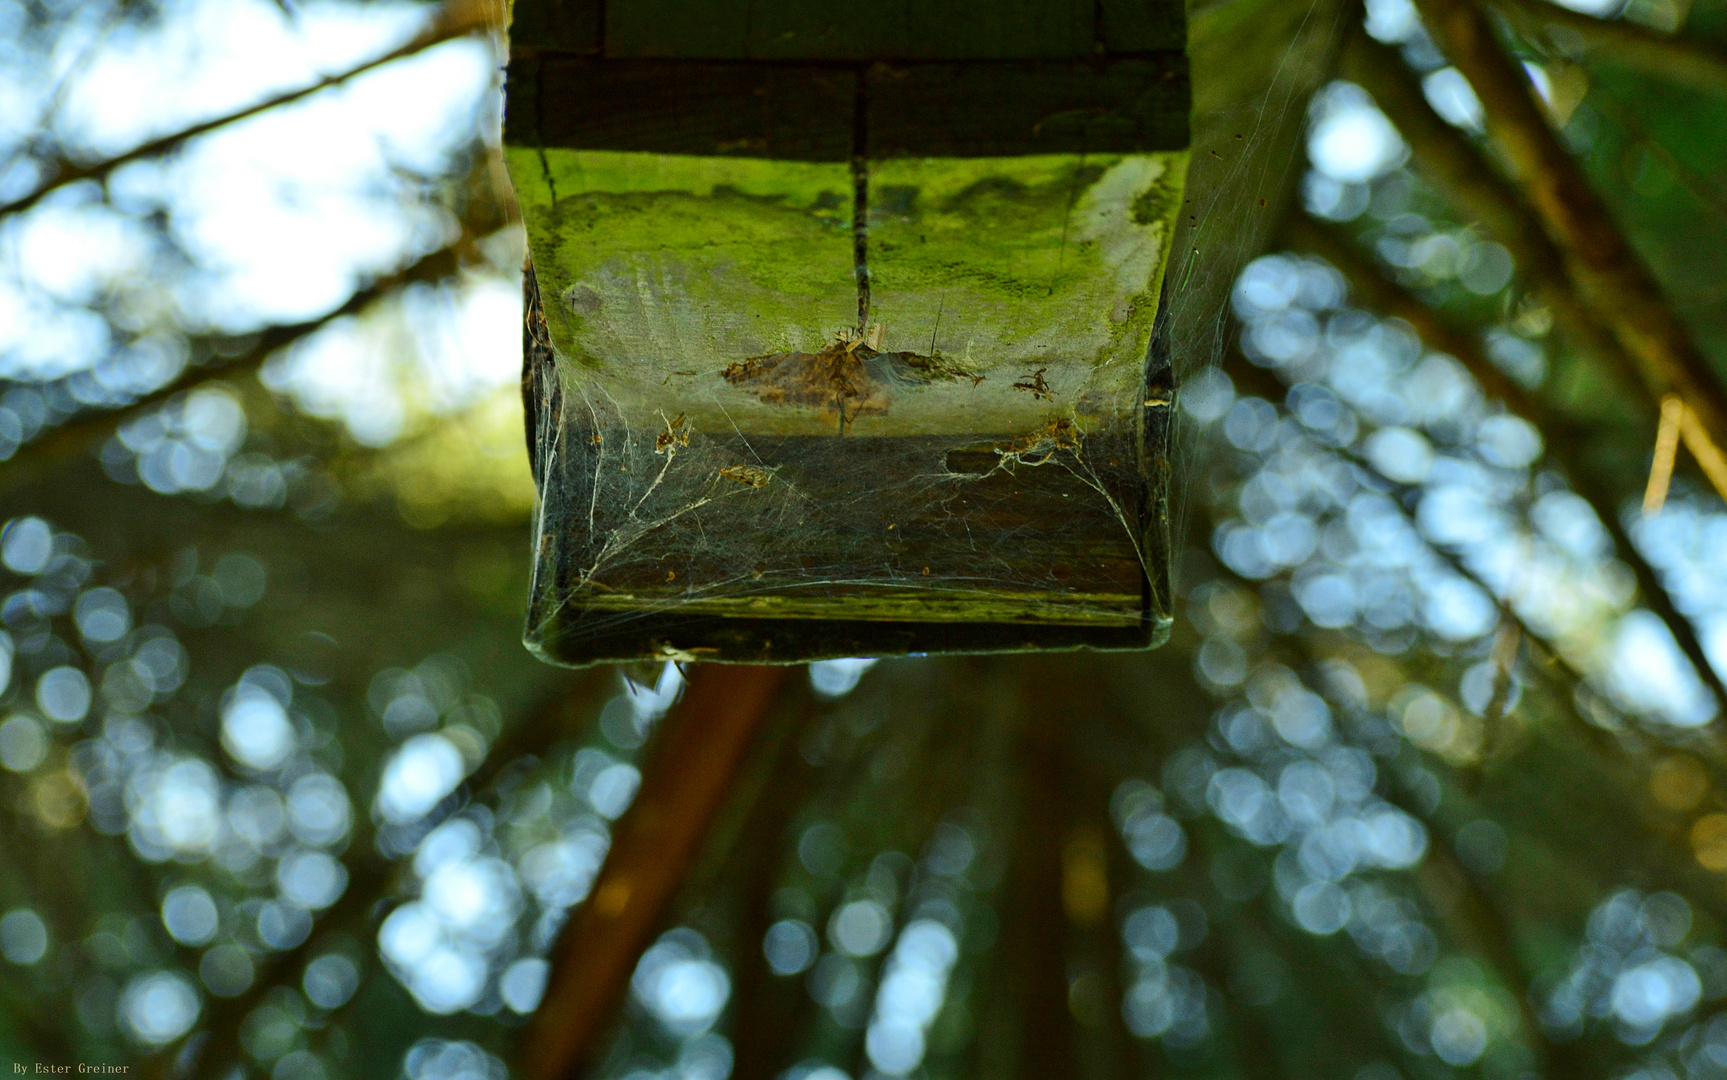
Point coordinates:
pixel 844 324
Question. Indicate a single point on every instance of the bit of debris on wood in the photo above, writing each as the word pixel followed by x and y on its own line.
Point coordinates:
pixel 848 378
pixel 1036 385
pixel 677 433
pixel 1043 444
pixel 749 475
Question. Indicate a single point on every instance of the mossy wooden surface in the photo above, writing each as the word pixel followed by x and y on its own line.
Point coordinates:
pixel 659 272
pixel 653 264
pixel 842 352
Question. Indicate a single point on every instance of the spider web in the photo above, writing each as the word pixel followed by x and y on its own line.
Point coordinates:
pixel 750 402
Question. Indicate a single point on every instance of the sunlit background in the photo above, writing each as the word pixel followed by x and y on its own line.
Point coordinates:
pixel 278 771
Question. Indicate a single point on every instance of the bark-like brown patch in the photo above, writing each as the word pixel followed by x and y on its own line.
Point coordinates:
pixel 846 379
pixel 677 433
pixel 750 475
pixel 1041 445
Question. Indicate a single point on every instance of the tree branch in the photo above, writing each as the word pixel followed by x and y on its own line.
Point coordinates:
pixel 1547 662
pixel 1689 63
pixel 701 748
pixel 85 430
pixel 1479 921
pixel 1701 187
pixel 1034 928
pixel 759 998
pixel 455 19
pixel 1375 291
pixel 1447 159
pixel 1609 275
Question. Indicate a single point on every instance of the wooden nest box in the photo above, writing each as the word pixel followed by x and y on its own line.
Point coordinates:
pixel 842 322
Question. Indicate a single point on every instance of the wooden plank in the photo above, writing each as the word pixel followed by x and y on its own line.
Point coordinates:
pixel 721 110
pixel 522 101
pixel 571 26
pixel 854 31
pixel 990 110
pixel 848 309
pixel 579 637
pixel 884 520
pixel 797 113
pixel 1044 272
pixel 850 30
pixel 666 269
pixel 1141 26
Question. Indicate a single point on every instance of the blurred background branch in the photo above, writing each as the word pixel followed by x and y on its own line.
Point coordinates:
pixel 695 761
pixel 1386 296
pixel 1699 64
pixel 87 431
pixel 1608 272
pixel 454 19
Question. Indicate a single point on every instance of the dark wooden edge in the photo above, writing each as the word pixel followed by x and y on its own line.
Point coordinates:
pixel 1117 28
pixel 805 111
pixel 605 637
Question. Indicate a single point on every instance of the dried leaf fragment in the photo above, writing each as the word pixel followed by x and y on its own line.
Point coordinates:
pixel 749 475
pixel 677 433
pixel 833 380
pixel 848 378
pixel 1043 444
pixel 1036 385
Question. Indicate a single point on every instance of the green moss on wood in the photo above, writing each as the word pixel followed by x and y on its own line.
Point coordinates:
pixel 671 263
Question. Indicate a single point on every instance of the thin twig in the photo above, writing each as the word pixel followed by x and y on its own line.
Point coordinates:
pixel 1376 292
pixel 1607 272
pixel 1666 453
pixel 1704 449
pixel 1564 672
pixel 1447 159
pixel 57 97
pixel 84 431
pixel 454 20
pixel 1690 63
